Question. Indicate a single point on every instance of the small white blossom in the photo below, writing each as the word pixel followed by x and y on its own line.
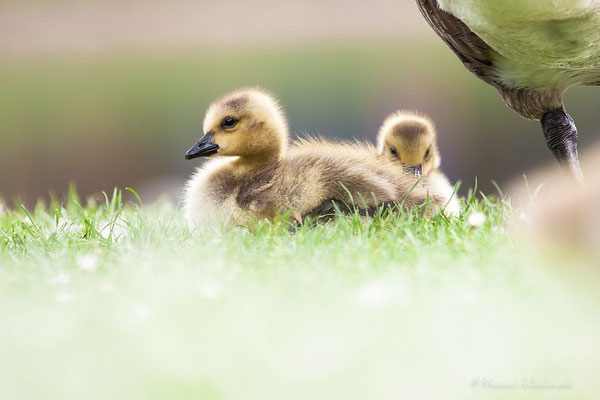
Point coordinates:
pixel 60 279
pixel 524 217
pixel 118 230
pixel 468 297
pixel 476 219
pixel 374 294
pixel 142 312
pixel 88 262
pixel 64 297
pixel 210 290
pixel 107 287
pixel 64 224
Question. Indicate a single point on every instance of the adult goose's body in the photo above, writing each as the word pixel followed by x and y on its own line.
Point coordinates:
pixel 531 51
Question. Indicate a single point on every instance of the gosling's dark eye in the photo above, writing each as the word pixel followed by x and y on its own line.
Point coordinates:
pixel 229 122
pixel 427 153
pixel 393 152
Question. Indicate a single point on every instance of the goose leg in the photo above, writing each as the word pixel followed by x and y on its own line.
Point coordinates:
pixel 561 136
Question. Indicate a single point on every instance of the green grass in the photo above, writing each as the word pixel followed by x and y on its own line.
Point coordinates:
pixel 105 300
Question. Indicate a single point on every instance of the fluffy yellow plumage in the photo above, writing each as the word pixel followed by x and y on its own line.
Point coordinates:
pixel 409 139
pixel 262 177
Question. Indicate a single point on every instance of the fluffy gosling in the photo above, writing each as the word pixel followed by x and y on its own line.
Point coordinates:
pixel 258 176
pixel 410 139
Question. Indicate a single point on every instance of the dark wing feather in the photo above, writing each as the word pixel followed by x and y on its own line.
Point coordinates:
pixel 475 54
pixel 479 58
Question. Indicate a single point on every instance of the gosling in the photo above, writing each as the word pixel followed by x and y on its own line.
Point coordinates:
pixel 410 140
pixel 258 177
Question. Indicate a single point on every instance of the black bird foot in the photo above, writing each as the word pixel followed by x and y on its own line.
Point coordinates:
pixel 561 136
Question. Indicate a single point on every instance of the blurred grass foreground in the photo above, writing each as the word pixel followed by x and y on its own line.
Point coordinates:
pixel 105 300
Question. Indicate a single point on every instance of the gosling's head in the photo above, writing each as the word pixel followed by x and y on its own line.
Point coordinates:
pixel 410 139
pixel 245 123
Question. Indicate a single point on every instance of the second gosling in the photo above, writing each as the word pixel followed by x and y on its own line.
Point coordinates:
pixel 410 140
pixel 257 177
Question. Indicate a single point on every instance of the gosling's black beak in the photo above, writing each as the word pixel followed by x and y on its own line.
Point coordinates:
pixel 415 170
pixel 204 148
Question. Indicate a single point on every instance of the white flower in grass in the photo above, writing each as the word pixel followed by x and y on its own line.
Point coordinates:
pixel 374 294
pixel 499 229
pixel 2 209
pixel 476 219
pixel 87 262
pixel 524 217
pixel 468 297
pixel 66 225
pixel 142 312
pixel 119 229
pixel 107 287
pixel 105 232
pixel 60 279
pixel 63 297
pixel 210 290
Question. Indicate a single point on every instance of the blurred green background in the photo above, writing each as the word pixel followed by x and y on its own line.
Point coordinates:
pixel 112 93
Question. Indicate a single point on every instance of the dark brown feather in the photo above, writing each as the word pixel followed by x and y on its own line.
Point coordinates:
pixel 475 54
pixel 478 57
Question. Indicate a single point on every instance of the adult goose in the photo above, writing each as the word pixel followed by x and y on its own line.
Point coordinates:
pixel 531 51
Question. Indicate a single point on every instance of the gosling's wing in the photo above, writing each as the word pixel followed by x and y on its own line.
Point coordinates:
pixel 475 54
pixel 256 193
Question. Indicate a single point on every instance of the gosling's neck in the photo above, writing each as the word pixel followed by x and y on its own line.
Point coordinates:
pixel 268 151
pixel 247 164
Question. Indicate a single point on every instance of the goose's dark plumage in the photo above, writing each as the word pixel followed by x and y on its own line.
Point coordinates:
pixel 531 52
